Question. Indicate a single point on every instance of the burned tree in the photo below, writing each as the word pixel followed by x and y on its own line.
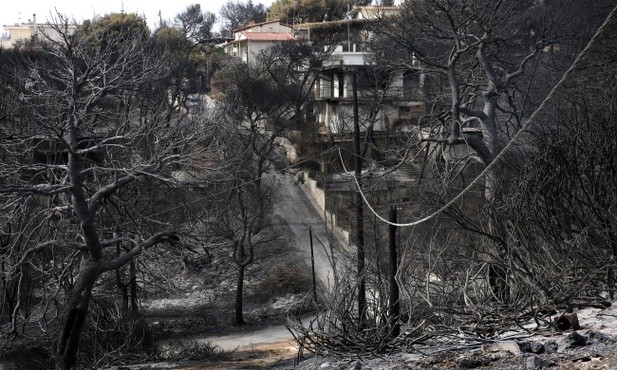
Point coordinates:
pixel 93 128
pixel 487 67
pixel 260 104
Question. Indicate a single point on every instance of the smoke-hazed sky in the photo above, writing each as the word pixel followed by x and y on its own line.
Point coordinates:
pixel 14 11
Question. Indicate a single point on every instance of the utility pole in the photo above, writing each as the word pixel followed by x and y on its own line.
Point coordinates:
pixel 394 301
pixel 313 265
pixel 359 205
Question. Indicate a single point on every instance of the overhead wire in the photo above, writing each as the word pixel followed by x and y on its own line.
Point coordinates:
pixel 473 183
pixel 508 146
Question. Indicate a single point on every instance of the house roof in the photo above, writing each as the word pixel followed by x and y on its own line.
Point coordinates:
pixel 267 36
pixel 261 37
pixel 251 25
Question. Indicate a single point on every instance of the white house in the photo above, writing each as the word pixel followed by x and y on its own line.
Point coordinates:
pixel 373 11
pixel 399 97
pixel 250 40
pixel 28 30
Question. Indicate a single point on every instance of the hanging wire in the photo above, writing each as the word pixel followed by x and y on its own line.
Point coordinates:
pixel 510 144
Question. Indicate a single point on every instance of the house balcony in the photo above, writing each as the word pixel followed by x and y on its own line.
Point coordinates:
pixel 343 55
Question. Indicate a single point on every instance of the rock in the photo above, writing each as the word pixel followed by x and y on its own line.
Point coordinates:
pixel 597 337
pixel 536 362
pixel 474 362
pixel 537 347
pixel 550 346
pixel 531 347
pixel 576 340
pixel 587 358
pixel 511 347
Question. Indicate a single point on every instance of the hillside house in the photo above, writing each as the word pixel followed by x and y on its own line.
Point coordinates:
pixel 388 104
pixel 373 12
pixel 386 101
pixel 250 40
pixel 25 31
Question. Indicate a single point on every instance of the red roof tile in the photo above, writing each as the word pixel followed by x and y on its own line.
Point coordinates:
pixel 268 36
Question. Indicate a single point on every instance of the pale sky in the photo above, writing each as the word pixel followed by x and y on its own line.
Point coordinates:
pixel 14 11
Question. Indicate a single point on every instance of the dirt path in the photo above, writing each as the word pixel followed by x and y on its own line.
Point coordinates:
pixel 270 356
pixel 249 338
pixel 264 348
pixel 274 345
pixel 302 215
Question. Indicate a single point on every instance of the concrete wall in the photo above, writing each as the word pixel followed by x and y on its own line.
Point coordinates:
pixel 274 27
pixel 318 196
pixel 255 47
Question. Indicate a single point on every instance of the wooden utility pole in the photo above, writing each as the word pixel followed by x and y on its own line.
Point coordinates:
pixel 359 205
pixel 394 301
pixel 313 265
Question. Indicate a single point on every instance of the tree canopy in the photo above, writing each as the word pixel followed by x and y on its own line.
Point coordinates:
pixel 305 11
pixel 112 25
pixel 92 139
pixel 237 13
pixel 195 24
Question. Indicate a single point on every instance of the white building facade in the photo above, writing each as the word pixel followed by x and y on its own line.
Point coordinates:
pixel 249 41
pixel 25 31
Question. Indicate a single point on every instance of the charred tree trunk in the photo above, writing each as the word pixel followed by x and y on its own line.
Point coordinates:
pixel 239 317
pixel 9 287
pixel 359 208
pixel 77 307
pixel 497 269
pixel 133 287
pixel 121 285
pixel 394 304
pixel 497 279
pixel 610 273
pixel 75 316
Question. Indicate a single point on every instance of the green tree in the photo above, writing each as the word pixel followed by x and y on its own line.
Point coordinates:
pixel 113 26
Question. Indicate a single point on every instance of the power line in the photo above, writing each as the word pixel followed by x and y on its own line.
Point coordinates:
pixel 510 143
